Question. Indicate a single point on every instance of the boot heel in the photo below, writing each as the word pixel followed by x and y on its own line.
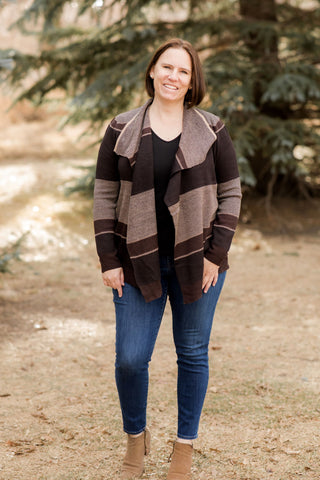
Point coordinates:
pixel 147 441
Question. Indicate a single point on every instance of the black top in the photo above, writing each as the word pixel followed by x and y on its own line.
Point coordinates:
pixel 163 156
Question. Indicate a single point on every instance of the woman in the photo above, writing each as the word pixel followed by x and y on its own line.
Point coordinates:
pixel 166 204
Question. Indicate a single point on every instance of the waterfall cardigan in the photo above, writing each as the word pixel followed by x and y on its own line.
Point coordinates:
pixel 203 197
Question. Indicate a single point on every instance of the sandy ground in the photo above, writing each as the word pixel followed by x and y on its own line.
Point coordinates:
pixel 59 413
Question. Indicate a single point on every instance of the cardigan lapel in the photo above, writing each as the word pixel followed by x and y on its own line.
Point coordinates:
pixel 196 139
pixel 128 142
pixel 142 239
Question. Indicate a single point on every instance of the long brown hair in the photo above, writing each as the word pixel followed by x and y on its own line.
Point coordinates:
pixel 197 91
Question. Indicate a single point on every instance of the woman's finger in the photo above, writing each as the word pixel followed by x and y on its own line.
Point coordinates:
pixel 114 278
pixel 207 284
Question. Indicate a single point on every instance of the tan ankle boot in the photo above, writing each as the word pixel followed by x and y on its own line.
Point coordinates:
pixel 133 463
pixel 181 461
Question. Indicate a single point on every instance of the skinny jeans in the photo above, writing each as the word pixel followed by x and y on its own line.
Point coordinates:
pixel 137 327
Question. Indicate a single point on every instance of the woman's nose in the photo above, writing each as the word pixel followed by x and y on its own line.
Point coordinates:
pixel 173 75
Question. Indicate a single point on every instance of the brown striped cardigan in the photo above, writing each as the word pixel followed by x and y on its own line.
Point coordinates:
pixel 203 197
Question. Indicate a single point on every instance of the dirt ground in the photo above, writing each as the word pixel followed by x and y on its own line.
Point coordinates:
pixel 59 412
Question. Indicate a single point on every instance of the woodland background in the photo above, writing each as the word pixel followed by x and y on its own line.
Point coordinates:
pixel 66 69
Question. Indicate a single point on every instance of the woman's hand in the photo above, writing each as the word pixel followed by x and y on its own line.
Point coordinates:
pixel 210 274
pixel 114 278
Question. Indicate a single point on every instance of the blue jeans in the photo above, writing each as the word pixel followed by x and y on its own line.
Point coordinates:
pixel 137 326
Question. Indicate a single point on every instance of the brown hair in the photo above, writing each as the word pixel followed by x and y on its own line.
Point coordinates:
pixel 198 87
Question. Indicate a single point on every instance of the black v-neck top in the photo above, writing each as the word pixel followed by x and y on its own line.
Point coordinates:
pixel 163 157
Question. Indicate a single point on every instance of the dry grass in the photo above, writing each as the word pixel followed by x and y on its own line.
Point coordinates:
pixel 60 416
pixel 59 412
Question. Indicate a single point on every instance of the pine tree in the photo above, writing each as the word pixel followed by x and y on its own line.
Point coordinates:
pixel 261 60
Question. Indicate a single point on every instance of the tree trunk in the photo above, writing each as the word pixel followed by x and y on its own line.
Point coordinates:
pixel 258 10
pixel 262 42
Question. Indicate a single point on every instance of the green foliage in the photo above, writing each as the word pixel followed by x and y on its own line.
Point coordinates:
pixel 261 61
pixel 10 253
pixel 84 185
pixel 293 88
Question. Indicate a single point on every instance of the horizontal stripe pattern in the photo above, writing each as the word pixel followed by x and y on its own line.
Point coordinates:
pixel 190 221
pixel 203 197
pixel 122 208
pixel 141 247
pixel 142 221
pixel 105 199
pixel 104 226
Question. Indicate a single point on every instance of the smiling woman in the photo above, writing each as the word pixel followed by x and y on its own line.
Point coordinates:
pixel 166 203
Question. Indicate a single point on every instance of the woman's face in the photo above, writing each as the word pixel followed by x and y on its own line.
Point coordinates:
pixel 172 75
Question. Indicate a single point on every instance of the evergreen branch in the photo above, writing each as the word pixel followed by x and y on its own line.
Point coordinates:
pixel 291 88
pixel 11 252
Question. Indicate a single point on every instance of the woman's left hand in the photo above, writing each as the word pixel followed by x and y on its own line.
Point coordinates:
pixel 210 274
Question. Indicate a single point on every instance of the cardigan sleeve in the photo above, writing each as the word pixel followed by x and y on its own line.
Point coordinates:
pixel 228 195
pixel 106 190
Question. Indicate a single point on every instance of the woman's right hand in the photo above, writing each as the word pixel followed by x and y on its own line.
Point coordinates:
pixel 114 278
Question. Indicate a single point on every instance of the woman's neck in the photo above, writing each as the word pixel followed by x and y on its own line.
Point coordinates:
pixel 166 110
pixel 166 119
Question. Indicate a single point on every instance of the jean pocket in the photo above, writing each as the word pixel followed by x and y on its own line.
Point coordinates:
pixel 120 300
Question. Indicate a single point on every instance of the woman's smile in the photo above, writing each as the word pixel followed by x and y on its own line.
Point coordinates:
pixel 171 87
